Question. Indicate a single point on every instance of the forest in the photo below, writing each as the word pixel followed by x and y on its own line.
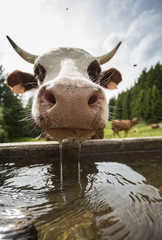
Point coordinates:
pixel 15 119
pixel 143 100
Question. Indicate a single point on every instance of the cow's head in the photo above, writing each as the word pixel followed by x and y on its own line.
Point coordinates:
pixel 69 101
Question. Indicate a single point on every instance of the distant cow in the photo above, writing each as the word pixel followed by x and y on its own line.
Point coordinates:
pixel 69 101
pixel 126 125
pixel 155 126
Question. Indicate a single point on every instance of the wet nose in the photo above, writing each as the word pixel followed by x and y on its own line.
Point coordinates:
pixel 71 106
pixel 88 97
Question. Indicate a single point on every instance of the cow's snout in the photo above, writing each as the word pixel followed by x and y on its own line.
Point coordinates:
pixel 71 111
pixel 93 100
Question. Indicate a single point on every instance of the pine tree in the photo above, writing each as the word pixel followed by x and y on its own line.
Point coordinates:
pixel 118 107
pixel 126 110
pixel 11 110
pixel 112 103
pixel 156 104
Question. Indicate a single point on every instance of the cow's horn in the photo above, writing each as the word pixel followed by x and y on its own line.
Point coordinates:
pixel 25 55
pixel 105 58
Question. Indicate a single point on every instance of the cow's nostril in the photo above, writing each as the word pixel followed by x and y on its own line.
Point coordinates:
pixel 50 98
pixel 47 100
pixel 93 99
pixel 96 101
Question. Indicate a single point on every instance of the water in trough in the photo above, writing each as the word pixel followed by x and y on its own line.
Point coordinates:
pixel 107 196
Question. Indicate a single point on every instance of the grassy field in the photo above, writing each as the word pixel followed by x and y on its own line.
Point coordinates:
pixel 26 140
pixel 140 130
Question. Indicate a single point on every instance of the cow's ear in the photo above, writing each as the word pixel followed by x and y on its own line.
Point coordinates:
pixel 110 78
pixel 20 82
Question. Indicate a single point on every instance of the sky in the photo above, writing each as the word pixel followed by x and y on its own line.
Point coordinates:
pixel 93 25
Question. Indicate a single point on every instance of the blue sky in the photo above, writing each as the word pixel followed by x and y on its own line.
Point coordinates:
pixel 94 25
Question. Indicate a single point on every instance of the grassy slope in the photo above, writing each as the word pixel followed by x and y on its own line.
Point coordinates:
pixel 143 130
pixel 26 140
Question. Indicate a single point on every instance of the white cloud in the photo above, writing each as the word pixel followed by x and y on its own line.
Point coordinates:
pixel 141 45
pixel 144 35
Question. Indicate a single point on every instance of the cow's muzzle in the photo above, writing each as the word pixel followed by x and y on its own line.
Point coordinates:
pixel 67 111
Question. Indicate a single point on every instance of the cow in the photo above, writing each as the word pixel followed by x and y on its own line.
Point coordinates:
pixel 69 101
pixel 126 125
pixel 155 125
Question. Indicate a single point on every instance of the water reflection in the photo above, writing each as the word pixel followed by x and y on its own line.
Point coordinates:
pixel 133 206
pixel 72 198
pixel 16 224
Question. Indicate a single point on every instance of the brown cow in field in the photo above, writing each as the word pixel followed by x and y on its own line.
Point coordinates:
pixel 126 125
pixel 154 125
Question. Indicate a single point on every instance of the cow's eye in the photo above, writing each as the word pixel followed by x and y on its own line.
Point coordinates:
pixel 40 73
pixel 94 70
pixel 36 71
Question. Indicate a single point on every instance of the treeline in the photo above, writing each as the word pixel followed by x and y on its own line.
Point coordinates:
pixel 14 118
pixel 143 100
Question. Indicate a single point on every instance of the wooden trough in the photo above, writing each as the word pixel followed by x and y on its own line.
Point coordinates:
pixel 45 150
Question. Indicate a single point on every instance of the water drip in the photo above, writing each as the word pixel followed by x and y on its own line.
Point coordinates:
pixel 79 169
pixel 61 173
pixel 61 165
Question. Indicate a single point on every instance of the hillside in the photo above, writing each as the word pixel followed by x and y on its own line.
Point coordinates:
pixel 143 100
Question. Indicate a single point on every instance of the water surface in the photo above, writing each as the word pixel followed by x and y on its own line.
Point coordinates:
pixel 97 197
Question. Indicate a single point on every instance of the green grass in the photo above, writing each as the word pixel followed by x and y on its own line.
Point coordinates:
pixel 143 130
pixel 26 140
